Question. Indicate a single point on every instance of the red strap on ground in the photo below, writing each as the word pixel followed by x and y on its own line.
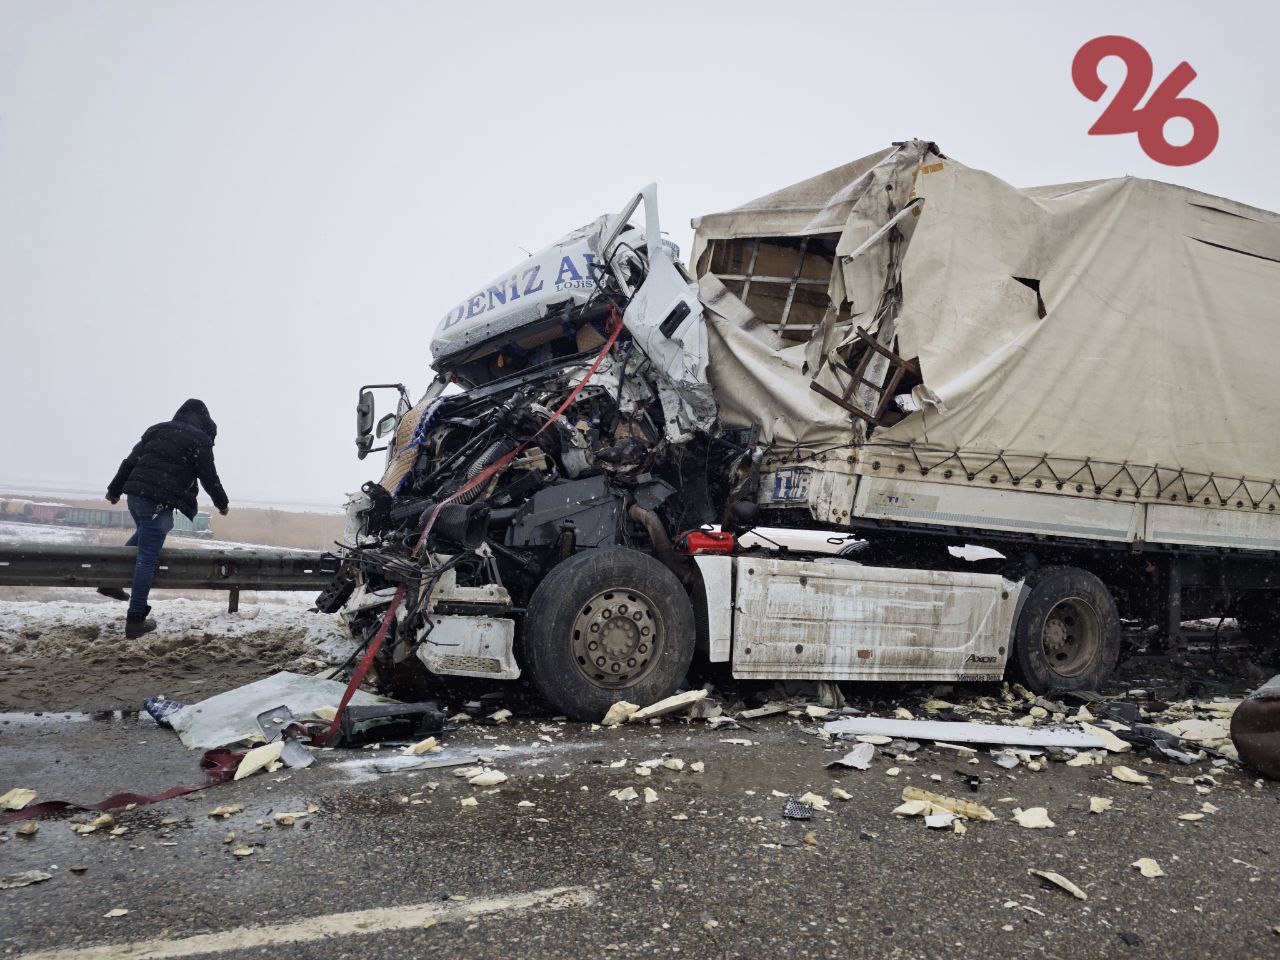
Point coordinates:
pixel 357 678
pixel 219 766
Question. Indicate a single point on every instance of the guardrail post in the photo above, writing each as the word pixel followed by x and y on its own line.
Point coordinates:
pixel 233 602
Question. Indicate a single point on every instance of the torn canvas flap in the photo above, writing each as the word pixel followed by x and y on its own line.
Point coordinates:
pixel 758 381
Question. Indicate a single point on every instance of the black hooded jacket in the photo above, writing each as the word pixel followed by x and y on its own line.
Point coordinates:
pixel 165 463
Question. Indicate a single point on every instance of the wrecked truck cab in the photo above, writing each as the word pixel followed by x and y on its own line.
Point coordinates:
pixel 536 481
pixel 534 515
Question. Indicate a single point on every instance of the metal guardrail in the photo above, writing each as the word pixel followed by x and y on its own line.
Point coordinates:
pixel 49 565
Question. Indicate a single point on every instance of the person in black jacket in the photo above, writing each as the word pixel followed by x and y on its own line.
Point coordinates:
pixel 158 477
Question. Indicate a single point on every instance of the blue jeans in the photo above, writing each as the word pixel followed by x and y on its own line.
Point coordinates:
pixel 154 523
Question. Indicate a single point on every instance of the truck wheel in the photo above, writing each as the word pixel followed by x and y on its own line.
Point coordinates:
pixel 608 625
pixel 1068 633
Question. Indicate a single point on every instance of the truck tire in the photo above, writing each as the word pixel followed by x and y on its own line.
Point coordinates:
pixel 1068 632
pixel 607 625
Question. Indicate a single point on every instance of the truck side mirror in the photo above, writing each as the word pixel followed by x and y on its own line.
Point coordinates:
pixel 386 425
pixel 364 423
pixel 364 414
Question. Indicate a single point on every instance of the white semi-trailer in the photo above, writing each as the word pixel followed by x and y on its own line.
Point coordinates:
pixel 623 464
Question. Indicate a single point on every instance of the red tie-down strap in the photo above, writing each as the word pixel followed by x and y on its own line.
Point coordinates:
pixel 357 678
pixel 219 766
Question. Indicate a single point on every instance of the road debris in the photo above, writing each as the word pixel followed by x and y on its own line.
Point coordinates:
pixel 259 758
pixel 817 801
pixel 28 828
pixel 671 704
pixel 841 794
pixel 625 794
pixel 1100 804
pixel 1059 880
pixel 1129 775
pixel 1033 818
pixel 470 802
pixel 620 712
pixel 960 732
pixel 12 881
pixel 428 745
pixel 794 809
pixel 17 798
pixel 859 758
pixel 697 766
pixel 226 810
pixel 650 795
pixel 488 778
pixel 97 823
pixel 117 912
pixel 1148 867
pixel 961 808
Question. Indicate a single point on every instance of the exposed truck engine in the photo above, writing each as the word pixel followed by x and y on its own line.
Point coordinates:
pixel 619 467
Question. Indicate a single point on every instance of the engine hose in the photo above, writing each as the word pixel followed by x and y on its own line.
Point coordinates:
pixel 494 451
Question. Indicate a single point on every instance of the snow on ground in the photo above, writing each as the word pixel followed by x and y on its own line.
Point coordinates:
pixel 18 531
pixel 273 627
pixel 15 531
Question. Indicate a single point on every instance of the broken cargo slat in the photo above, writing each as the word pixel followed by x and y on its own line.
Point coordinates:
pixel 955 731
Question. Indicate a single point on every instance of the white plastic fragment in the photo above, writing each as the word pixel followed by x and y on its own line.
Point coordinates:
pixel 620 712
pixel 625 794
pixel 1059 880
pixel 11 881
pixel 859 758
pixel 1148 867
pixel 488 778
pixel 16 799
pixel 841 794
pixel 428 745
pixel 1109 740
pixel 1099 804
pixel 1129 775
pixel 959 732
pixel 673 763
pixel 697 766
pixel 117 912
pixel 470 802
pixel 650 795
pixel 258 759
pixel 670 705
pixel 500 716
pixel 1033 818
pixel 937 821
pixel 817 801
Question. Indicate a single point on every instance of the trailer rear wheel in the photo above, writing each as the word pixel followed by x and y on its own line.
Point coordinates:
pixel 607 625
pixel 1068 633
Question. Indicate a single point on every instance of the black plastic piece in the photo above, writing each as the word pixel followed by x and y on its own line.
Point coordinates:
pixel 390 721
pixel 594 510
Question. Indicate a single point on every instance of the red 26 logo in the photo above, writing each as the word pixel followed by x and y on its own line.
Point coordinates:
pixel 1123 115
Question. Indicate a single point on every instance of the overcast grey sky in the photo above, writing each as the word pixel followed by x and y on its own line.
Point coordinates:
pixel 265 205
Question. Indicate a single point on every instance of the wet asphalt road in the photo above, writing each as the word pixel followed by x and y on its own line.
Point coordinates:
pixel 733 880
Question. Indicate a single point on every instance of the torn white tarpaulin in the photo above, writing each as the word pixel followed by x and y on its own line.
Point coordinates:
pixel 955 732
pixel 1099 288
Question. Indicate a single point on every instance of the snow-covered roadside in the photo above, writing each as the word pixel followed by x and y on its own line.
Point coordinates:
pixel 279 628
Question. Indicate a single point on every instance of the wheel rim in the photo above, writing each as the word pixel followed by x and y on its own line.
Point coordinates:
pixel 1071 636
pixel 617 638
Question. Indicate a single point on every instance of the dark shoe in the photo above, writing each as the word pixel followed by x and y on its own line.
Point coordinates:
pixel 135 627
pixel 114 593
